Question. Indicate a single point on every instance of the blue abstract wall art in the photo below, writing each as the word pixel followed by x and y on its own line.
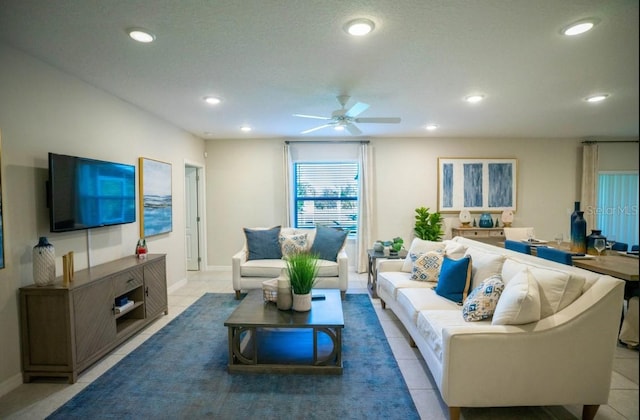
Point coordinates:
pixel 479 185
pixel 155 192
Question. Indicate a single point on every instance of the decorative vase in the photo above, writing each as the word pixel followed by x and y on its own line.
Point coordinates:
pixel 579 234
pixel 595 234
pixel 378 246
pixel 485 221
pixel 284 299
pixel 301 303
pixel 44 263
pixel 576 209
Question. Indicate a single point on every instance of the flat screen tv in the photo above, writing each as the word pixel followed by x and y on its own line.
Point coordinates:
pixel 87 193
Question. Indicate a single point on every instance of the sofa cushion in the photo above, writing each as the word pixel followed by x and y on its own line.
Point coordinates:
pixel 482 301
pixel 328 242
pixel 455 279
pixel 392 281
pixel 485 265
pixel 557 288
pixel 413 300
pixel 420 246
pixel 263 243
pixel 520 301
pixel 292 243
pixel 427 266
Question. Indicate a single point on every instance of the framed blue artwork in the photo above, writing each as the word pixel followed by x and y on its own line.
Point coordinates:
pixel 155 197
pixel 477 185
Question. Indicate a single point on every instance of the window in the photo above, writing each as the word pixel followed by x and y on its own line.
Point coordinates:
pixel 326 194
pixel 617 210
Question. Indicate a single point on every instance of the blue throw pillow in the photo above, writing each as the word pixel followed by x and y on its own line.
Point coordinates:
pixel 328 242
pixel 455 279
pixel 263 244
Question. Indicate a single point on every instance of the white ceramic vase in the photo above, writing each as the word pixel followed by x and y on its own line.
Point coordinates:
pixel 44 263
pixel 302 303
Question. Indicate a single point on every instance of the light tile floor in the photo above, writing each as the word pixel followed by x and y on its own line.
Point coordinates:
pixel 37 400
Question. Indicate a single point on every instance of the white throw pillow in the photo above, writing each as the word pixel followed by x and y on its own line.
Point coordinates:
pixel 427 266
pixel 519 302
pixel 557 289
pixel 485 265
pixel 454 250
pixel 420 246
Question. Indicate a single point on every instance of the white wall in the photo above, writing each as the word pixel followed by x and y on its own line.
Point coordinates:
pixel 245 184
pixel 43 110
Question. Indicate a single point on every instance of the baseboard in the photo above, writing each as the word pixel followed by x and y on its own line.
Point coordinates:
pixel 177 285
pixel 218 268
pixel 10 384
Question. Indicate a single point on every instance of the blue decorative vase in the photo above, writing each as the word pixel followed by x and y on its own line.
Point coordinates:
pixel 576 209
pixel 579 234
pixel 595 234
pixel 485 221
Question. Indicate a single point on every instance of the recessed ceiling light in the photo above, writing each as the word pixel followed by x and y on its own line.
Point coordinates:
pixel 432 127
pixel 141 35
pixel 596 98
pixel 339 128
pixel 212 100
pixel 473 99
pixel 579 27
pixel 245 128
pixel 359 27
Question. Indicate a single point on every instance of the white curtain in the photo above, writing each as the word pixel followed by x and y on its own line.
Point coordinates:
pixel 589 194
pixel 365 211
pixel 288 218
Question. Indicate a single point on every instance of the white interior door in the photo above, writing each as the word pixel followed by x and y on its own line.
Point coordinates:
pixel 193 218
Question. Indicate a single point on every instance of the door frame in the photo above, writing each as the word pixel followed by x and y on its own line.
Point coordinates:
pixel 201 199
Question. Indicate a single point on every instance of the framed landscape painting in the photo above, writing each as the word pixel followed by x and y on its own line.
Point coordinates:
pixel 155 197
pixel 477 185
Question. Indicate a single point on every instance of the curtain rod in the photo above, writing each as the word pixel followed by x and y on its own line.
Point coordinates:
pixel 608 141
pixel 327 141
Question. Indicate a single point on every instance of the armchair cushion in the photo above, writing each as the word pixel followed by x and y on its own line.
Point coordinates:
pixel 455 279
pixel 262 244
pixel 328 242
pixel 293 243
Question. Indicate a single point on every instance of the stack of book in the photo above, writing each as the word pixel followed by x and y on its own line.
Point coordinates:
pixel 123 304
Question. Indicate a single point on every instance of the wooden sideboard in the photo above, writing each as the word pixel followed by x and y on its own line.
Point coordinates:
pixel 489 235
pixel 67 328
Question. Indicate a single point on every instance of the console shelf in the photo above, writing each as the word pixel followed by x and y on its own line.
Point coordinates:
pixel 65 329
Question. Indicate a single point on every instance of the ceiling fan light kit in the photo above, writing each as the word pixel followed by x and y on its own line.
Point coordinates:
pixel 345 119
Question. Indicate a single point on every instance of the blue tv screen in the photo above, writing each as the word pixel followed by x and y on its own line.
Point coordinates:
pixel 87 193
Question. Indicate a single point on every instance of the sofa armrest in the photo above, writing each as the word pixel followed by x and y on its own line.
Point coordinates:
pixel 236 260
pixel 540 356
pixel 390 265
pixel 343 270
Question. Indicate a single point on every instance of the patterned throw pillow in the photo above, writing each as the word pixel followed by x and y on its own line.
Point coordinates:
pixel 482 301
pixel 426 267
pixel 292 244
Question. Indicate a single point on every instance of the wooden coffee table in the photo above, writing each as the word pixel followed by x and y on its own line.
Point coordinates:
pixel 265 339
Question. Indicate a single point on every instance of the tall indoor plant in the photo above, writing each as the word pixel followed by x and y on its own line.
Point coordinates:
pixel 428 225
pixel 302 268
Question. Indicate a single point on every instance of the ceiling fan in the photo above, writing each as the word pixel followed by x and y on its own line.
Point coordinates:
pixel 346 118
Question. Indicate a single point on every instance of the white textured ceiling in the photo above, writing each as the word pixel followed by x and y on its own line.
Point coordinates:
pixel 270 59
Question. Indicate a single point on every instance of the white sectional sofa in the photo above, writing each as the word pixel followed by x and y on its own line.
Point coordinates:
pixel 249 274
pixel 564 358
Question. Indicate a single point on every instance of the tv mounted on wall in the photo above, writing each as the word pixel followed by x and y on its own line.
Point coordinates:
pixel 87 193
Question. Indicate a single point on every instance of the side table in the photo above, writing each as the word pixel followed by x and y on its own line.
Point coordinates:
pixel 372 275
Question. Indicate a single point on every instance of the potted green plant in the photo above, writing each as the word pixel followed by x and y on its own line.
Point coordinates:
pixel 428 225
pixel 395 245
pixel 302 269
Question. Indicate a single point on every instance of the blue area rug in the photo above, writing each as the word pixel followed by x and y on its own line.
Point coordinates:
pixel 181 372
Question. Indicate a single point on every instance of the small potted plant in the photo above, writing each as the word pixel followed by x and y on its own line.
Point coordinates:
pixel 428 226
pixel 302 269
pixel 395 245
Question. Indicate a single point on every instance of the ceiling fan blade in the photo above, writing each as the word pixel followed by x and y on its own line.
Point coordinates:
pixel 315 128
pixel 353 130
pixel 357 109
pixel 378 120
pixel 311 116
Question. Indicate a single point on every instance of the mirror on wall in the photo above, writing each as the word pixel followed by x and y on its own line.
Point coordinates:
pixel 1 212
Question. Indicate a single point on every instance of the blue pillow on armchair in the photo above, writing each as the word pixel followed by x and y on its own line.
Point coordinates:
pixel 455 279
pixel 263 244
pixel 328 242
